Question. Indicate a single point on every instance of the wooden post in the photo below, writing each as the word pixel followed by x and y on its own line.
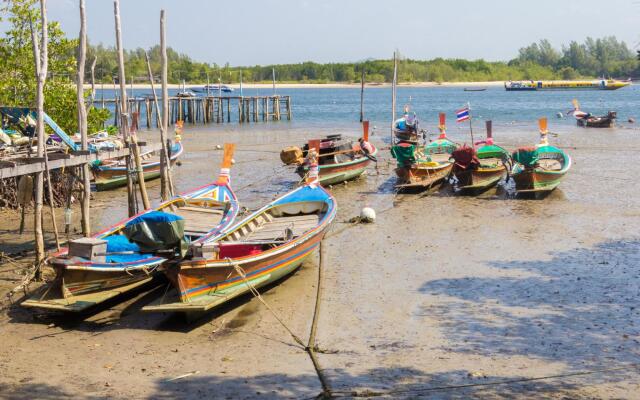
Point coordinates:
pixel 362 95
pixel 147 112
pixel 164 67
pixel 393 94
pixel 265 108
pixel 239 110
pixel 228 110
pixel 41 59
pixel 82 121
pixel 93 79
pixel 128 137
pixel 51 200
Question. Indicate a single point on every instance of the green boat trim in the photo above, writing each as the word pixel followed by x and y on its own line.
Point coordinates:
pixel 119 181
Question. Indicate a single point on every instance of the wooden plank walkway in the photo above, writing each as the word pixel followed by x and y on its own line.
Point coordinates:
pixel 26 166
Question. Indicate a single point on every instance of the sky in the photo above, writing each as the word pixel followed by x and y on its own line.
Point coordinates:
pixel 252 32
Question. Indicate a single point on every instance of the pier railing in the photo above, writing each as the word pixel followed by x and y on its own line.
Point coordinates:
pixel 205 110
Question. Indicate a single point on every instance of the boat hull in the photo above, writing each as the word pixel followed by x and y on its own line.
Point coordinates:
pixel 535 180
pixel 82 284
pixel 78 290
pixel 106 178
pixel 422 177
pixel 480 179
pixel 331 174
pixel 210 283
pixel 597 123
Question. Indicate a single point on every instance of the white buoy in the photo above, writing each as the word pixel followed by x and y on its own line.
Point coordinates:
pixel 560 115
pixel 233 161
pixel 218 147
pixel 367 214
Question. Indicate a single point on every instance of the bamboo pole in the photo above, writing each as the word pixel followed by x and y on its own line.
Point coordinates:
pixel 51 206
pixel 41 59
pixel 393 93
pixel 82 120
pixel 361 96
pixel 93 78
pixel 124 128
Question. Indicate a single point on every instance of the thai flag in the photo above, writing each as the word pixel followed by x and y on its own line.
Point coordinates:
pixel 463 114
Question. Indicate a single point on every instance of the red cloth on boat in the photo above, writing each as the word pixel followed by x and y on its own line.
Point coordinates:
pixel 235 250
pixel 465 157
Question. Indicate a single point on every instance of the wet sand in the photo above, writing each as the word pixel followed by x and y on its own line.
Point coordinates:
pixel 442 297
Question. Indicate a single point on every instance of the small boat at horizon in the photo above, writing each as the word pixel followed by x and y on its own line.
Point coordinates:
pixel 212 88
pixel 587 120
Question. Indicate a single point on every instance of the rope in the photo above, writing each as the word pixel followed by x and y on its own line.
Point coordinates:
pixel 311 347
pixel 255 292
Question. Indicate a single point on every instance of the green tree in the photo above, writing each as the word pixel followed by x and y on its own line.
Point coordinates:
pixel 17 69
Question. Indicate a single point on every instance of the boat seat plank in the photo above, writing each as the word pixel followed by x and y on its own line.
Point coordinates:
pixel 298 224
pixel 201 209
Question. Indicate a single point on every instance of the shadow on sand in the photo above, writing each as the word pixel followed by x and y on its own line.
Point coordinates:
pixel 579 308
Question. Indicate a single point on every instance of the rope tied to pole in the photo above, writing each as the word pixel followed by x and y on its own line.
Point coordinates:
pixel 256 294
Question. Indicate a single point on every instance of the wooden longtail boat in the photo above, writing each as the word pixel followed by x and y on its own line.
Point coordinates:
pixel 83 282
pixel 339 160
pixel 587 120
pixel 424 167
pixel 479 168
pixel 539 169
pixel 266 246
pixel 111 174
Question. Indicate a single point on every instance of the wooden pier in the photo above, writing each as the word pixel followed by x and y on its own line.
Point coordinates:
pixel 205 110
pixel 29 165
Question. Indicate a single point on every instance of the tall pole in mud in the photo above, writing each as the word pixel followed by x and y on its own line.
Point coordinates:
pixel 82 120
pixel 393 93
pixel 124 126
pixel 41 59
pixel 362 95
pixel 166 187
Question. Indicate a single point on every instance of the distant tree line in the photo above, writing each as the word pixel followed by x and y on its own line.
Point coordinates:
pixel 594 58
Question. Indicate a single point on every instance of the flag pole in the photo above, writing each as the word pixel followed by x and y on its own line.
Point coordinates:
pixel 470 125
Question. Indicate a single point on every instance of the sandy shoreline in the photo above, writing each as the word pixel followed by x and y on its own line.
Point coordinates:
pixel 318 85
pixel 442 291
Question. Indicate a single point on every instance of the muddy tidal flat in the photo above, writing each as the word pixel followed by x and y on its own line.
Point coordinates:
pixel 444 296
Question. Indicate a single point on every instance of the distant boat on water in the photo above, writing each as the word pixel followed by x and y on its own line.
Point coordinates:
pixel 212 88
pixel 600 84
pixel 475 89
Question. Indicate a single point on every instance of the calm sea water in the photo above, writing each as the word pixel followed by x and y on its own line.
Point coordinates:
pixel 330 107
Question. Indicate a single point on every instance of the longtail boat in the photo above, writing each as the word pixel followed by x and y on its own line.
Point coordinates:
pixel 539 169
pixel 406 128
pixel 126 255
pixel 588 120
pixel 480 167
pixel 264 247
pixel 339 159
pixel 111 174
pixel 425 166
